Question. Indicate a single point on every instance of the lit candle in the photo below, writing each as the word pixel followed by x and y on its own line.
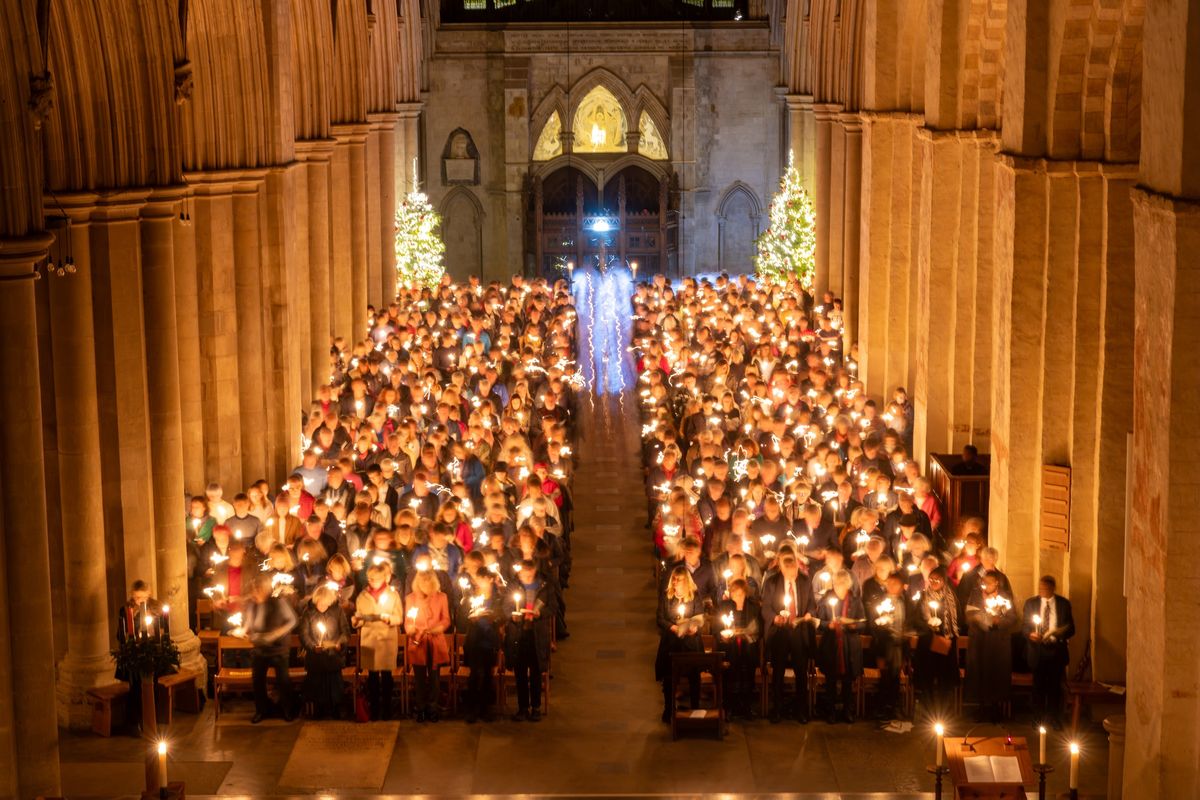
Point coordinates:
pixel 1041 744
pixel 940 730
pixel 1074 783
pixel 162 764
pixel 320 633
pixel 681 610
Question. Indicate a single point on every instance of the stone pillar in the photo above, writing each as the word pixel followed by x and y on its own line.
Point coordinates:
pixel 851 125
pixel 1018 298
pixel 408 147
pixel 937 273
pixel 801 143
pixel 837 205
pixel 160 217
pixel 28 723
pixel 374 241
pixel 962 344
pixel 212 220
pixel 875 252
pixel 823 114
pixel 359 223
pixel 1115 727
pixel 983 163
pixel 121 379
pixel 252 353
pixel 316 155
pixel 87 663
pixel 1162 757
pixel 187 322
pixel 389 168
pixel 905 193
pixel 341 294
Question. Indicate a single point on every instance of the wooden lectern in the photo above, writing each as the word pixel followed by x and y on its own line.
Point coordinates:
pixel 986 753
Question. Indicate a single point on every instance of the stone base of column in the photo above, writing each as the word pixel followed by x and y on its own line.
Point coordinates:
pixel 190 658
pixel 75 676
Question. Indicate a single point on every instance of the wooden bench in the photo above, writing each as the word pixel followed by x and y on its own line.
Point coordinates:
pixel 105 701
pixel 1080 692
pixel 178 690
pixel 240 679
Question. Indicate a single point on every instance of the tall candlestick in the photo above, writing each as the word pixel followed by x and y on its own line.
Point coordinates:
pixel 1074 783
pixel 940 730
pixel 1041 744
pixel 162 764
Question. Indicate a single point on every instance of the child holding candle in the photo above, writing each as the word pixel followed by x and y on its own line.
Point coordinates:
pixel 680 615
pixel 324 632
pixel 840 618
pixel 426 621
pixel 527 637
pixel 378 612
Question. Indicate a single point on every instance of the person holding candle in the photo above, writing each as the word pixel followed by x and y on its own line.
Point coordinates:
pixel 840 619
pixel 324 632
pixel 528 608
pixel 378 612
pixel 787 606
pixel 1048 626
pixel 968 557
pixel 268 623
pixel 482 645
pixel 739 615
pixel 989 558
pixel 680 616
pixel 426 621
pixel 890 620
pixel 991 620
pixel 935 670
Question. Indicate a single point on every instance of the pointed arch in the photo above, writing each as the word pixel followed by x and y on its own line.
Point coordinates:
pixel 739 221
pixel 739 189
pixel 462 231
pixel 600 77
pixel 555 101
pixel 600 123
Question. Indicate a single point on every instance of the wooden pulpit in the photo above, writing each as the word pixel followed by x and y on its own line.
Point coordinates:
pixel 989 767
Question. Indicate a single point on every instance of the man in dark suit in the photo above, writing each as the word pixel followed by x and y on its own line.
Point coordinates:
pixel 821 535
pixel 269 624
pixel 1048 627
pixel 787 606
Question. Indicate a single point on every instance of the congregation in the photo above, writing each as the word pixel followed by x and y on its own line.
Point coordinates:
pixel 795 533
pixel 419 552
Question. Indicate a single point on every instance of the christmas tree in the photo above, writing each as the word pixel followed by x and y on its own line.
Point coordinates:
pixel 419 245
pixel 787 248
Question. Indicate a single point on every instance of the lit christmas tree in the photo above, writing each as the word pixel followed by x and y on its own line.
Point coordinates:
pixel 787 248
pixel 419 245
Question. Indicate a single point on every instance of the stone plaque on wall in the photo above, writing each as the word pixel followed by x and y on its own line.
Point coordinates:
pixel 460 170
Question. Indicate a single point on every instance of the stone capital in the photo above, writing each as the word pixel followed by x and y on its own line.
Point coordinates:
pixel 851 121
pixel 315 149
pixel 410 110
pixel 163 202
pixel 18 254
pixel 123 205
pixel 826 112
pixel 219 183
pixel 383 120
pixel 798 102
pixel 350 132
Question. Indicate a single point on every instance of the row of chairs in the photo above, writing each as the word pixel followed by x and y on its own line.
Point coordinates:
pixel 231 655
pixel 868 683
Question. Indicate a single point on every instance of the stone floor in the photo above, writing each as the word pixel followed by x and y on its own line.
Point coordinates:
pixel 603 734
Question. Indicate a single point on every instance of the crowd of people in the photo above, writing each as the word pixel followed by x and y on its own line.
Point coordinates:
pixel 432 498
pixel 795 532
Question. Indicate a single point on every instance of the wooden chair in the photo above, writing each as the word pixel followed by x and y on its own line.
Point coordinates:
pixel 203 613
pixel 505 677
pixel 401 673
pixel 682 664
pixel 963 641
pixel 233 654
pixel 454 675
pixel 872 678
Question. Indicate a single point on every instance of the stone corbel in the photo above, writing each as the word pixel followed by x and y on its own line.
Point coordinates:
pixel 184 81
pixel 41 98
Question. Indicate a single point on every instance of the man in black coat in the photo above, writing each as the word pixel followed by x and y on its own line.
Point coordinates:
pixel 529 608
pixel 787 606
pixel 1048 626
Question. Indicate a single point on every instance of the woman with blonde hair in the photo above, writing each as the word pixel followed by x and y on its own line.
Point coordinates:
pixel 426 622
pixel 378 612
pixel 680 617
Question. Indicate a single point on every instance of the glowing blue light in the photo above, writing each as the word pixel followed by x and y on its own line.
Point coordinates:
pixel 600 226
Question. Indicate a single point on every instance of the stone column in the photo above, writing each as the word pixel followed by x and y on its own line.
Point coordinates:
pixel 252 354
pixel 341 294
pixel 383 184
pixel 800 141
pixel 359 226
pixel 160 217
pixel 824 114
pixel 1115 727
pixel 905 194
pixel 837 205
pixel 316 155
pixel 408 146
pixel 937 273
pixel 852 210
pixel 875 252
pixel 374 241
pixel 212 220
pixel 87 663
pixel 187 321
pixel 121 377
pixel 1163 701
pixel 983 163
pixel 1018 298
pixel 28 723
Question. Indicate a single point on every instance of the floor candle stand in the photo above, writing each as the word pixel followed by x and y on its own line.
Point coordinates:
pixel 939 774
pixel 1042 771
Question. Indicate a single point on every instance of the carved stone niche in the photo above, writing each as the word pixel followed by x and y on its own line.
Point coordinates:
pixel 460 160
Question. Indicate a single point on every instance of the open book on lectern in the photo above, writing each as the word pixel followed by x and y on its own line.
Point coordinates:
pixel 992 769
